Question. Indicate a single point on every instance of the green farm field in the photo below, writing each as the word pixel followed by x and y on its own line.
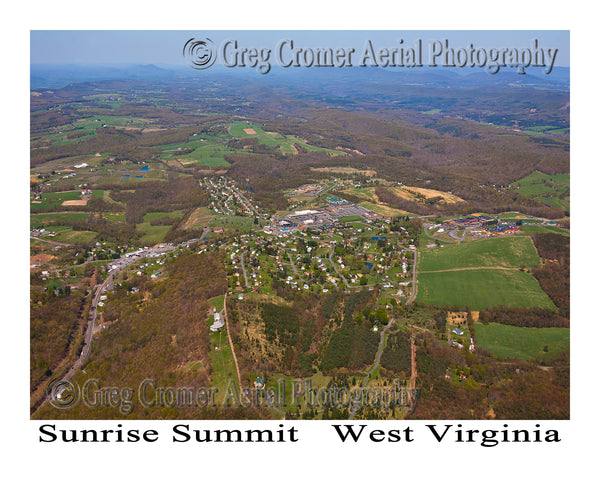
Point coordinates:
pixel 223 374
pixel 75 236
pixel 85 128
pixel 272 139
pixel 208 151
pixel 482 288
pixel 511 251
pixel 232 222
pixel 552 190
pixel 531 229
pixel 48 219
pixel 50 200
pixel 152 234
pixel 519 342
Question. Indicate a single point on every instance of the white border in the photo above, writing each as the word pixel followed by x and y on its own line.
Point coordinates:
pixel 318 454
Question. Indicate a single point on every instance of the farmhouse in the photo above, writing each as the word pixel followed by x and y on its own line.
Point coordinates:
pixel 218 323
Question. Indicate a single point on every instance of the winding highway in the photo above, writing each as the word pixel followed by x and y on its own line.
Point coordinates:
pixel 118 265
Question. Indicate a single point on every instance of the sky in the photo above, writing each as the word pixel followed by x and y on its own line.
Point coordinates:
pixel 165 46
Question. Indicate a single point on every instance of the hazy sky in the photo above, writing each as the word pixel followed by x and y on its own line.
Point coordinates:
pixel 165 47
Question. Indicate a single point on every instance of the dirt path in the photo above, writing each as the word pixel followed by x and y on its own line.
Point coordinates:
pixel 470 268
pixel 413 363
pixel 237 368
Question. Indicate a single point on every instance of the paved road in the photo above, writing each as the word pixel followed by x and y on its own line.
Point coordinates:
pixel 89 332
pixel 206 231
pixel 293 264
pixel 51 241
pixel 438 239
pixel 335 267
pixel 413 294
pixel 244 269
pixel 248 203
pixel 454 234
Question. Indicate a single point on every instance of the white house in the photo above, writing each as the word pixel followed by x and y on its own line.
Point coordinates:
pixel 218 323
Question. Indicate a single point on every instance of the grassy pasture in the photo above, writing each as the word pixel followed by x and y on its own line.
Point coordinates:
pixel 511 251
pixel 86 127
pixel 482 288
pixel 115 217
pixel 232 222
pixel 368 193
pixel 223 366
pixel 48 219
pixel 208 151
pixel 552 190
pixel 531 229
pixel 152 234
pixel 272 139
pixel 518 342
pixel 75 236
pixel 53 199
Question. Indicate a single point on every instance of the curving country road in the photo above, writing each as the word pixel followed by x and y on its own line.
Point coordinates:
pixel 438 239
pixel 336 269
pixel 51 241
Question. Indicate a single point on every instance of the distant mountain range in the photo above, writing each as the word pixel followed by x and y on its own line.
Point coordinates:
pixel 58 76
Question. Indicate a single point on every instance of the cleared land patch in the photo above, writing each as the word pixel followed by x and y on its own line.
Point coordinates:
pixel 41 257
pixel 200 217
pixel 344 170
pixel 368 193
pixel 415 194
pixel 384 210
pixel 81 202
